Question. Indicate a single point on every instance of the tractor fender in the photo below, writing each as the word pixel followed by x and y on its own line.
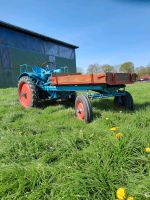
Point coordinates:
pixel 25 74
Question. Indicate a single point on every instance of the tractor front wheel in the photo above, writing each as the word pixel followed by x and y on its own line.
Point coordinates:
pixel 124 102
pixel 83 108
pixel 27 92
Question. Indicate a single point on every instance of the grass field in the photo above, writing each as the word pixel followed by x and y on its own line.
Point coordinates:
pixel 48 154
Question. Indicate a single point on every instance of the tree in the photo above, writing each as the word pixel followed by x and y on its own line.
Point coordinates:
pixel 93 68
pixel 127 67
pixel 148 69
pixel 107 68
pixel 141 71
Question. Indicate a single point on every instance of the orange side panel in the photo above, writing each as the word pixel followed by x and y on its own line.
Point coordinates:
pixel 99 78
pixel 72 79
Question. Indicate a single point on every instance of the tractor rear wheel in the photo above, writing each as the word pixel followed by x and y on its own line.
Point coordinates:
pixel 124 102
pixel 83 108
pixel 27 92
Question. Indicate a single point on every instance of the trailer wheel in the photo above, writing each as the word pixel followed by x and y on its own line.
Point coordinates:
pixel 27 92
pixel 83 108
pixel 124 101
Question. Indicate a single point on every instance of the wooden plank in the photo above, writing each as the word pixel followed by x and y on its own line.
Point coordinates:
pixel 99 78
pixel 72 79
pixel 120 78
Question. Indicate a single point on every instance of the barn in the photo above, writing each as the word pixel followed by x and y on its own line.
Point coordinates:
pixel 21 46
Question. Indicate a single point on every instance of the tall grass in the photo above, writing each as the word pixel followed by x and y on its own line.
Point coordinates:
pixel 49 154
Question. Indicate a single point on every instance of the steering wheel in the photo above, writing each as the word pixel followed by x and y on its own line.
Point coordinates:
pixel 46 63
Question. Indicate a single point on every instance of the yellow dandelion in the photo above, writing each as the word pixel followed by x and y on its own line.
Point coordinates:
pixel 118 135
pixel 147 150
pixel 121 194
pixel 107 118
pixel 130 198
pixel 113 128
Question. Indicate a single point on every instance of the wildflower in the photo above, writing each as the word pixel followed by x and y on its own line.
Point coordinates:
pixel 118 135
pixel 147 150
pixel 130 198
pixel 113 128
pixel 120 111
pixel 121 194
pixel 107 118
pixel 147 194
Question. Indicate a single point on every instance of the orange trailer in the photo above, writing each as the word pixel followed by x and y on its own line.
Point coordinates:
pixel 93 79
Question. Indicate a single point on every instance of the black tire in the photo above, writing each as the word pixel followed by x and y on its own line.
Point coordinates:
pixel 31 90
pixel 72 98
pixel 86 113
pixel 124 102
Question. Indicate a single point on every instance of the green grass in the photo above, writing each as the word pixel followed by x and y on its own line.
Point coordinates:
pixel 49 154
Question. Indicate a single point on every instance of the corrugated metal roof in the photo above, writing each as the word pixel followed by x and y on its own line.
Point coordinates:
pixel 17 28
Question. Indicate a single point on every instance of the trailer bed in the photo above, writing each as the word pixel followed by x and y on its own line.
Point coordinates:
pixel 93 79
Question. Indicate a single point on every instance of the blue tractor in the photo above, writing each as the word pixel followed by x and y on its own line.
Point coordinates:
pixel 36 83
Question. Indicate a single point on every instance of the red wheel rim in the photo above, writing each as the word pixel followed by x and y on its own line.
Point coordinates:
pixel 80 110
pixel 24 94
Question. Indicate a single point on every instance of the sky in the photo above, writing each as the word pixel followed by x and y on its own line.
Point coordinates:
pixel 106 31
